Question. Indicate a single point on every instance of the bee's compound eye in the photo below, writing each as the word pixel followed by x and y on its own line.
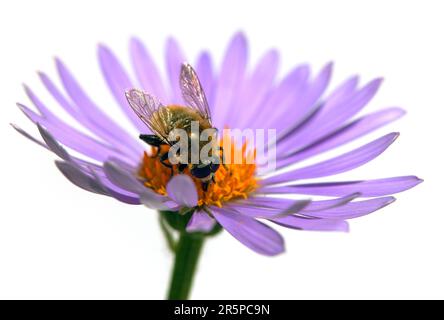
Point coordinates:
pixel 201 172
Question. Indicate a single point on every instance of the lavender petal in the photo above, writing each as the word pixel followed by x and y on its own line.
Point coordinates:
pixel 304 105
pixel 85 105
pixel 266 212
pixel 73 138
pixel 125 142
pixel 255 90
pixel 153 200
pixel 122 178
pixel 230 79
pixel 343 135
pixel 79 178
pixel 283 98
pixel 174 60
pixel 118 82
pixel 200 222
pixel 300 223
pixel 146 70
pixel 344 162
pixel 205 71
pixel 367 188
pixel 332 115
pixel 252 233
pixel 353 209
pixel 52 144
pixel 182 190
pixel 283 203
pixel 29 136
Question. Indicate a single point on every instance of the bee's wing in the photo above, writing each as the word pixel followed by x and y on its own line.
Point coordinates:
pixel 192 91
pixel 148 108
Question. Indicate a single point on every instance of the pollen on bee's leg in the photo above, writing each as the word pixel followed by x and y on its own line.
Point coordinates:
pixel 231 181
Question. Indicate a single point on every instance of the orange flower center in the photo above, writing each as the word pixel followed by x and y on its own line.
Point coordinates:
pixel 234 180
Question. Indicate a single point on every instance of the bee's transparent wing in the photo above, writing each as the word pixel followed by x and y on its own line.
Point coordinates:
pixel 147 108
pixel 192 91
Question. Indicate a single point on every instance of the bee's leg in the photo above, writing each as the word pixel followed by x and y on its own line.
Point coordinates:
pixel 153 140
pixel 205 185
pixel 163 158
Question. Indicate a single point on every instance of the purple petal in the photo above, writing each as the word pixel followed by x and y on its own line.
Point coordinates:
pixel 87 106
pixel 182 190
pixel 312 224
pixel 124 197
pixel 345 162
pixel 352 209
pixel 59 97
pixel 73 138
pixel 205 72
pixel 124 142
pixel 153 200
pixel 122 178
pixel 255 89
pixel 27 135
pixel 283 203
pixel 86 175
pixel 261 201
pixel 355 104
pixel 267 212
pixel 334 116
pixel 200 222
pixel 173 206
pixel 230 79
pixel 40 106
pixel 306 104
pixel 125 187
pixel 100 176
pixel 283 99
pixel 340 94
pixel 146 70
pixel 301 105
pixel 252 233
pixel 87 178
pixel 79 178
pixel 345 134
pixel 118 82
pixel 315 206
pixel 52 144
pixel 369 188
pixel 174 60
pixel 337 112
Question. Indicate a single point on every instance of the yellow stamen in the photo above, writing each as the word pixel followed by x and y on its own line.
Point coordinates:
pixel 233 181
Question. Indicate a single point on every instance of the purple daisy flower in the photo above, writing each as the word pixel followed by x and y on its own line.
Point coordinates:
pixel 114 163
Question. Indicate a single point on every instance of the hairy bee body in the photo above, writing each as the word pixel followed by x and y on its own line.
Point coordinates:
pixel 179 117
pixel 175 117
pixel 165 120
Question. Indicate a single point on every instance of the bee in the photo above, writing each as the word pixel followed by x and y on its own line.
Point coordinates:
pixel 163 120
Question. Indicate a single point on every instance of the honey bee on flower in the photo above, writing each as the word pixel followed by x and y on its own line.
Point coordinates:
pixel 164 120
pixel 213 194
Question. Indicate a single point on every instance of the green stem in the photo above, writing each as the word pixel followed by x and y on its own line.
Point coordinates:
pixel 167 233
pixel 188 250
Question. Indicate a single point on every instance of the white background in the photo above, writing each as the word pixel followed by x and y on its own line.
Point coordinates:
pixel 57 241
